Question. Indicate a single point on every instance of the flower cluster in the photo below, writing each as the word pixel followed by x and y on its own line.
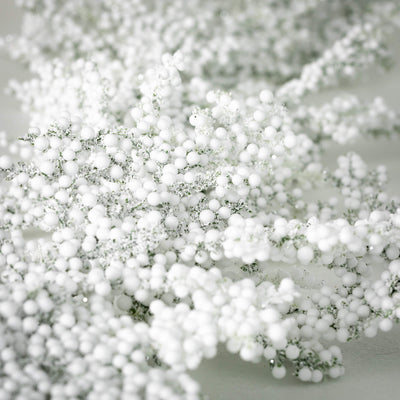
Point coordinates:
pixel 169 198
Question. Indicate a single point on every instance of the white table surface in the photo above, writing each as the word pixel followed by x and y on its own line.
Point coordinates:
pixel 372 365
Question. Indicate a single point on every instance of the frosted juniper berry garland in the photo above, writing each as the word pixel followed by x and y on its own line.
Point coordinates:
pixel 173 195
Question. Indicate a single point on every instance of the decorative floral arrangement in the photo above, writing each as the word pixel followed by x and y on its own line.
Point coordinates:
pixel 169 196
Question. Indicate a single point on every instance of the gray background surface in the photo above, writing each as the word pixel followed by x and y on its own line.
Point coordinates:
pixel 372 365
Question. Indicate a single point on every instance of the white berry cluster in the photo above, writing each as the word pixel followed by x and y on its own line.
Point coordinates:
pixel 170 197
pixel 346 118
pixel 230 45
pixel 360 48
pixel 225 41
